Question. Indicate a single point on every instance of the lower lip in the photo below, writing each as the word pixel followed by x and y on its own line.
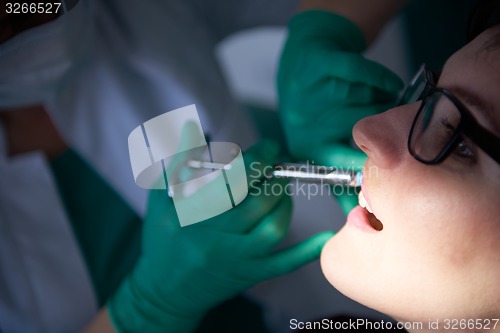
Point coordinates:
pixel 358 218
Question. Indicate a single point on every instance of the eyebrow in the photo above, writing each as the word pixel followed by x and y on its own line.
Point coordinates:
pixel 492 44
pixel 478 103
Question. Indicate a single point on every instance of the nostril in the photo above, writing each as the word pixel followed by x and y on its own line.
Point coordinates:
pixel 364 148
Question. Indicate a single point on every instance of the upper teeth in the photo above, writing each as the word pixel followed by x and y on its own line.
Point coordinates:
pixel 363 203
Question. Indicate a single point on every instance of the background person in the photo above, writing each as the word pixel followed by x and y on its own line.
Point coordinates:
pixel 72 87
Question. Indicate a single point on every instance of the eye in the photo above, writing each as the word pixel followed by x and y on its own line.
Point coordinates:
pixel 463 151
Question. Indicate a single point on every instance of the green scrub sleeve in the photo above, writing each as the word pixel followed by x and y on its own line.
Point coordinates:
pixel 108 231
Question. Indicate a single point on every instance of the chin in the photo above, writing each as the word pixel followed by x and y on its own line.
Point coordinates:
pixel 343 264
pixel 351 266
pixel 338 263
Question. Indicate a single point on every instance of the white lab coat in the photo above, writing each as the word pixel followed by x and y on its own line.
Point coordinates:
pixel 147 58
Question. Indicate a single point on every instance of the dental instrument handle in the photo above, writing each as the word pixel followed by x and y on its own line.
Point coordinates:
pixel 317 174
pixel 304 172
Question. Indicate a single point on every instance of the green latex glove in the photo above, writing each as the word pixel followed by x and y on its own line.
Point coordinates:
pixel 183 272
pixel 325 86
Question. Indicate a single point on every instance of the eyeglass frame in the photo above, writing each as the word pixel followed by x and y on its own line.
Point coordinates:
pixel 468 125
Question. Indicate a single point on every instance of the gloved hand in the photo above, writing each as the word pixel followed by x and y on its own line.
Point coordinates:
pixel 325 86
pixel 183 272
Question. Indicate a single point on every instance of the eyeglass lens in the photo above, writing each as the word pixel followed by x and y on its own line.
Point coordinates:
pixel 435 127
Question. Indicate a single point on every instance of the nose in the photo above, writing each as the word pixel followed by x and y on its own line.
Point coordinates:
pixel 383 137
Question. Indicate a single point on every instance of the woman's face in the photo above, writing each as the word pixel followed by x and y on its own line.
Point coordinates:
pixel 438 254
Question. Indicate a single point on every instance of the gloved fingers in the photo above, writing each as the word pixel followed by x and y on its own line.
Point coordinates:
pixel 336 154
pixel 337 123
pixel 333 91
pixel 351 67
pixel 292 258
pixel 324 115
pixel 176 165
pixel 258 162
pixel 356 68
pixel 325 124
pixel 342 156
pixel 261 199
pixel 362 94
pixel 160 209
pixel 271 230
pixel 259 159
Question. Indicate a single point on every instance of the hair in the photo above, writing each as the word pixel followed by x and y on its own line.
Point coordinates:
pixel 484 15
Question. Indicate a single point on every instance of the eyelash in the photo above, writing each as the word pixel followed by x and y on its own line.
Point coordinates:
pixel 461 150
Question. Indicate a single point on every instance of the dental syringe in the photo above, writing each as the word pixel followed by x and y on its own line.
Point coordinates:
pixel 300 171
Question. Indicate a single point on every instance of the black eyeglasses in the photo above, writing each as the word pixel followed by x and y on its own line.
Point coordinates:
pixel 440 122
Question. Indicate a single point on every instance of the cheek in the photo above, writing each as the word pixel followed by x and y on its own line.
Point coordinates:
pixel 438 250
pixel 444 241
pixel 446 225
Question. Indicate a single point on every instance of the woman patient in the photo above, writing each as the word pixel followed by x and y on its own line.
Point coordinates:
pixel 423 244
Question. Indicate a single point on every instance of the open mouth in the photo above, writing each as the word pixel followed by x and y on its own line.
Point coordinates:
pixel 374 221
